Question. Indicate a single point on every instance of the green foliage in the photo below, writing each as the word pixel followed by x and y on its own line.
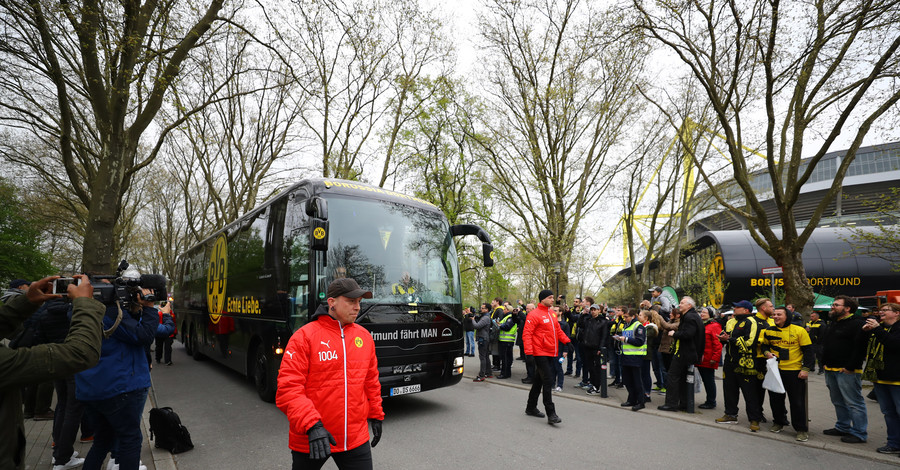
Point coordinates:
pixel 20 253
pixel 884 240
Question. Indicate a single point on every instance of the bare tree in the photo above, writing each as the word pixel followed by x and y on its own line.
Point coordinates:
pixel 562 90
pixel 226 158
pixel 88 78
pixel 816 69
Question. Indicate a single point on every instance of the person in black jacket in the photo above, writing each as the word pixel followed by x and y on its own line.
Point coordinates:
pixel 687 351
pixel 593 334
pixel 469 329
pixel 883 368
pixel 844 350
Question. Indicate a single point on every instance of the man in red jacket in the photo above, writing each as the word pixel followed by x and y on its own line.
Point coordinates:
pixel 541 337
pixel 328 385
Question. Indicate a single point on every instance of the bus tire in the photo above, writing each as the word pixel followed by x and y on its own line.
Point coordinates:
pixel 264 374
pixel 186 339
pixel 195 345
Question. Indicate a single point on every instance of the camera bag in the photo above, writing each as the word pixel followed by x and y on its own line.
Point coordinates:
pixel 166 430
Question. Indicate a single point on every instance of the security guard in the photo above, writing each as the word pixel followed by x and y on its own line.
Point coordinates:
pixel 507 341
pixel 634 349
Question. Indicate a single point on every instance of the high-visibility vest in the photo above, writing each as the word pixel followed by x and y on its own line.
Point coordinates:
pixel 508 336
pixel 630 350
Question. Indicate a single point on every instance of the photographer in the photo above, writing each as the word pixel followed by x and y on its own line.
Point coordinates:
pixel 114 392
pixel 22 366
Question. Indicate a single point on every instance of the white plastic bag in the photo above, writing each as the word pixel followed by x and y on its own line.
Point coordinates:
pixel 773 381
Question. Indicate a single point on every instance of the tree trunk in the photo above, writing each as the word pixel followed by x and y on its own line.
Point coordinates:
pixel 796 285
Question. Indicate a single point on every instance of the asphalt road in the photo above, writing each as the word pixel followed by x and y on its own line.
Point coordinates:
pixel 470 425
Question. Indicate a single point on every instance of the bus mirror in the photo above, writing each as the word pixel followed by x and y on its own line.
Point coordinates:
pixel 488 253
pixel 317 208
pixel 318 235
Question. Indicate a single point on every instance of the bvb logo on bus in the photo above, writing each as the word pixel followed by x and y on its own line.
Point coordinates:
pixel 215 278
pixel 319 233
pixel 715 281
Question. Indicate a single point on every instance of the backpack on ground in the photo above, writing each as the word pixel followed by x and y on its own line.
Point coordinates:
pixel 167 431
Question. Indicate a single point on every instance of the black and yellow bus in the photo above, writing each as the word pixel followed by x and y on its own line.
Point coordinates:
pixel 243 291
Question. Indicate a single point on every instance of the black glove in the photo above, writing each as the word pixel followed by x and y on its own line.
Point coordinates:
pixel 376 431
pixel 318 442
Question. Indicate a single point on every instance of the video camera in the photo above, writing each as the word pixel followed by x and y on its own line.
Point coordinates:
pixel 126 285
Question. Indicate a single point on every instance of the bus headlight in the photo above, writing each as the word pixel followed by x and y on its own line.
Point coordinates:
pixel 458 362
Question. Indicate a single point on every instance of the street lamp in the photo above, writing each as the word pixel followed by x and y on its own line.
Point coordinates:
pixel 557 267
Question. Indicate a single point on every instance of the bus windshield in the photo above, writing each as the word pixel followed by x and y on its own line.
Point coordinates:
pixel 403 254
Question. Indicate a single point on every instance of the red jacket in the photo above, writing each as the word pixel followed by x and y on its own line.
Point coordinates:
pixel 329 373
pixel 712 351
pixel 542 334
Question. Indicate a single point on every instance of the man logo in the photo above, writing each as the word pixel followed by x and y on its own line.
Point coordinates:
pixel 358 341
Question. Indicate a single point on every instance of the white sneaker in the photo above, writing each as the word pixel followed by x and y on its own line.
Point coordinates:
pixel 557 389
pixel 72 463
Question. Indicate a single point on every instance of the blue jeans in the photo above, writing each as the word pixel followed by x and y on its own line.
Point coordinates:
pixel 117 422
pixel 849 405
pixel 470 343
pixel 889 401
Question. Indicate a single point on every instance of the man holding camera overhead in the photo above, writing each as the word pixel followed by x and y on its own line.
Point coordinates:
pixel 114 392
pixel 43 362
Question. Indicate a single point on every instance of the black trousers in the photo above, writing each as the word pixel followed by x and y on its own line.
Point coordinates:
pixel 544 379
pixel 795 389
pixel 359 458
pixel 67 420
pixel 733 385
pixel 506 357
pixel 591 366
pixel 677 382
pixel 164 345
pixel 631 377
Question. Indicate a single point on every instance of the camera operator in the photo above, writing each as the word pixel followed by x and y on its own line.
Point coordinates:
pixel 22 366
pixel 114 392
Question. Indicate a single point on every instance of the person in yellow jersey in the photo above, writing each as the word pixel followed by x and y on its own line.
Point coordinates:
pixel 507 341
pixel 791 345
pixel 883 359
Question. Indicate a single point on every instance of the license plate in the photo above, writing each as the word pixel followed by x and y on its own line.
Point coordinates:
pixel 407 389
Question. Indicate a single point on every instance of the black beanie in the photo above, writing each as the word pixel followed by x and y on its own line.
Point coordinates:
pixel 544 294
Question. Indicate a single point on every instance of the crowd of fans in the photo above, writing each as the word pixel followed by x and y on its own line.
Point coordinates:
pixel 763 350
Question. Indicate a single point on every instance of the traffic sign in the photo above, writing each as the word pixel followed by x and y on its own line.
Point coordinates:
pixel 772 270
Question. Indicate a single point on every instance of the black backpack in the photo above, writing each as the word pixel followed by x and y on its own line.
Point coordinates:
pixel 168 432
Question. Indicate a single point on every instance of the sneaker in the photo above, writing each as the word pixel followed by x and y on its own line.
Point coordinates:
pixel 535 412
pixel 776 428
pixel 754 426
pixel 661 391
pixel 557 389
pixel 727 419
pixel 553 419
pixel 489 376
pixel 87 439
pixel 802 436
pixel 851 439
pixel 476 379
pixel 72 463
pixel 592 391
pixel 888 450
pixel 169 363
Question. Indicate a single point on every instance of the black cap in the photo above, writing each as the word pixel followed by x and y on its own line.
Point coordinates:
pixel 347 287
pixel 544 294
pixel 15 284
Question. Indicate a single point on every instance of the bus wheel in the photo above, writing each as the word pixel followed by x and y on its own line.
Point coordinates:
pixel 195 345
pixel 186 340
pixel 264 375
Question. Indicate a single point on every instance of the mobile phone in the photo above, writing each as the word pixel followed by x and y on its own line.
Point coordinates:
pixel 61 285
